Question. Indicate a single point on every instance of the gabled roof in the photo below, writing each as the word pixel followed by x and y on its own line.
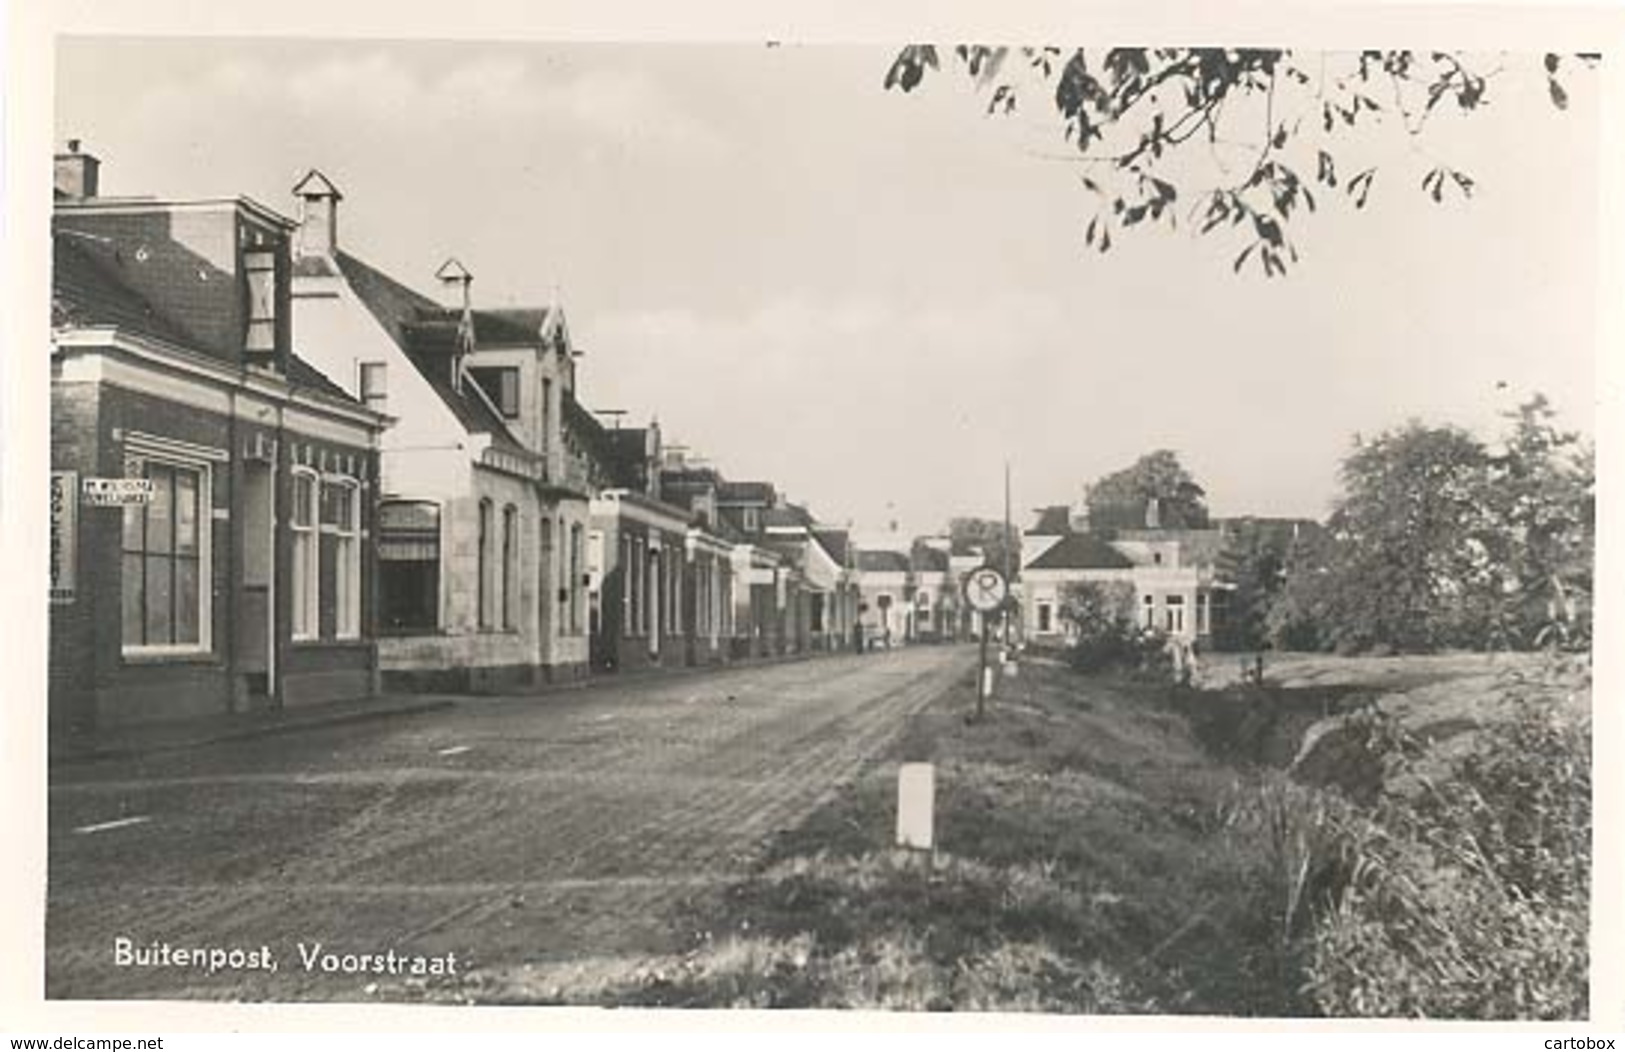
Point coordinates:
pixel 882 561
pixel 315 184
pixel 1081 551
pixel 427 333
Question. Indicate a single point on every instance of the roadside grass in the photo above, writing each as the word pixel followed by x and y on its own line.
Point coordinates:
pixel 1091 858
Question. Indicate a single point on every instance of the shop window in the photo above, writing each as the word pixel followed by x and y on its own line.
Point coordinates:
pixel 165 591
pixel 408 566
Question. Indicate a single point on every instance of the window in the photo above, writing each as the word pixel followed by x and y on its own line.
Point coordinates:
pixel 165 593
pixel 1046 615
pixel 547 414
pixel 408 566
pixel 1174 613
pixel 501 386
pixel 1149 618
pixel 374 384
pixel 510 559
pixel 259 268
pixel 575 579
pixel 751 523
pixel 482 585
pixel 306 561
pixel 341 516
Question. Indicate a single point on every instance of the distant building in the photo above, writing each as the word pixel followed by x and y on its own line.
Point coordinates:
pixel 1169 572
pixel 213 493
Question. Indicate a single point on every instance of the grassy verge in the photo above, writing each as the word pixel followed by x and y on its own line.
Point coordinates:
pixel 1091 859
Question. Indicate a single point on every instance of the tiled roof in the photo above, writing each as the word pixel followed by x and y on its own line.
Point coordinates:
pixel 787 515
pixel 1081 551
pixel 882 561
pixel 924 557
pixel 427 332
pixel 303 374
pixel 86 291
pixel 838 543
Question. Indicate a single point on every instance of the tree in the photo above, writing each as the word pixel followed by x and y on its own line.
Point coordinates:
pixel 1407 569
pixel 1118 500
pixel 1254 564
pixel 988 535
pixel 1267 119
pixel 1439 541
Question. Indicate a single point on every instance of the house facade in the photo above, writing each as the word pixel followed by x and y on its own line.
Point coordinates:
pixel 482 527
pixel 1167 575
pixel 212 511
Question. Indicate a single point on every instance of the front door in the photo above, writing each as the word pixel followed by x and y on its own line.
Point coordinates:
pixel 256 646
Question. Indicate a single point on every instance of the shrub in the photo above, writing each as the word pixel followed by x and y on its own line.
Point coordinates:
pixel 1468 895
pixel 1104 634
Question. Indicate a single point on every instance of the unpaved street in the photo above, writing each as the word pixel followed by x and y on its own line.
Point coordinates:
pixel 546 829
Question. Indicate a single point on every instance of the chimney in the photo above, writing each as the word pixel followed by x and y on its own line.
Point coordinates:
pixel 318 215
pixel 1078 521
pixel 1153 514
pixel 77 174
pixel 454 295
pixel 454 281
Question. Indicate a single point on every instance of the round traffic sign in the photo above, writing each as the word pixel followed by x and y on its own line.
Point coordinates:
pixel 985 589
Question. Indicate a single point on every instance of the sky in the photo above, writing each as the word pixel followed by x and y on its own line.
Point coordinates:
pixel 877 300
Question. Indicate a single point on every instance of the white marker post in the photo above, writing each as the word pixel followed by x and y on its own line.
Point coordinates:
pixel 916 793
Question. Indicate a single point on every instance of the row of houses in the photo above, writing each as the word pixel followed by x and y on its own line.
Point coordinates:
pixel 282 476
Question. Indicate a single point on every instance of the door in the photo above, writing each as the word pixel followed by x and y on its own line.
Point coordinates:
pixel 256 639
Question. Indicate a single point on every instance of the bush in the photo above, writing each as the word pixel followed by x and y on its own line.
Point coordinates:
pixel 1105 636
pixel 1468 896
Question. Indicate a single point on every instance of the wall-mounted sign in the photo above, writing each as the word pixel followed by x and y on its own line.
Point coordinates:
pixel 64 534
pixel 116 493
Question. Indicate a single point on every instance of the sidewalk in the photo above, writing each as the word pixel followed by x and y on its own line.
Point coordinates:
pixel 173 735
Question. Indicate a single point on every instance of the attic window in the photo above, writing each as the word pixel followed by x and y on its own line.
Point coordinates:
pixel 259 267
pixel 374 383
pixel 501 386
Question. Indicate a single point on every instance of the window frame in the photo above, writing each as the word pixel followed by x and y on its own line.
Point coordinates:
pixel 203 470
pixel 304 592
pixel 346 560
pixel 386 572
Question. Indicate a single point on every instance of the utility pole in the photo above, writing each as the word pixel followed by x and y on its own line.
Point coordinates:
pixel 1006 547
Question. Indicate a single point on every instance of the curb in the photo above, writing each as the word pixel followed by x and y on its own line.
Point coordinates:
pixel 304 721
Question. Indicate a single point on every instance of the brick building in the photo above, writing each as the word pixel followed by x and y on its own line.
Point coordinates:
pixel 237 569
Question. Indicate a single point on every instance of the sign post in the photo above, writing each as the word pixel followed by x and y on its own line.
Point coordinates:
pixel 985 591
